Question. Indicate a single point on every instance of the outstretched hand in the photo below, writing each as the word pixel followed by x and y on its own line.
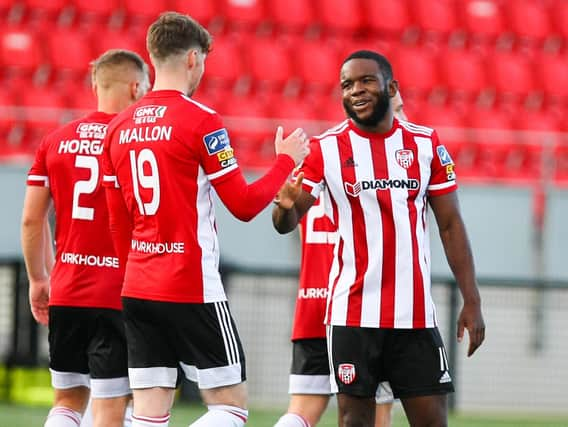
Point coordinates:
pixel 289 192
pixel 295 145
pixel 471 319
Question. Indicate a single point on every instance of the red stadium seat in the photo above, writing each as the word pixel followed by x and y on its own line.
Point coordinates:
pixel 554 75
pixel 529 18
pixel 340 15
pixel 269 62
pixel 561 164
pixel 559 14
pixel 387 17
pixel 247 13
pixel 145 10
pixel 462 71
pixel 435 15
pixel 318 65
pixel 204 11
pixel 116 39
pixel 536 121
pixel 295 15
pixel 510 74
pixel 20 49
pixel 44 10
pixel 224 64
pixel 92 16
pixel 296 108
pixel 68 50
pixel 415 69
pixel 483 18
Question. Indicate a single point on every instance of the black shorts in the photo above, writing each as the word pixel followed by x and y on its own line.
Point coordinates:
pixel 201 338
pixel 413 361
pixel 87 347
pixel 88 341
pixel 310 367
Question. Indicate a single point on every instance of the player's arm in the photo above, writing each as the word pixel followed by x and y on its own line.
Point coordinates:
pixel 48 249
pixel 292 202
pixel 33 236
pixel 245 201
pixel 459 255
pixel 119 222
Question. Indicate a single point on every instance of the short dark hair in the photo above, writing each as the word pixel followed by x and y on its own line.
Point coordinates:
pixel 383 62
pixel 175 33
pixel 117 57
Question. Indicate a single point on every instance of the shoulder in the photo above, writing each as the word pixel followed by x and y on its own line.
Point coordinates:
pixel 415 129
pixel 334 131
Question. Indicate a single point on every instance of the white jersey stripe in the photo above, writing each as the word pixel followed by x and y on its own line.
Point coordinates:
pixel 346 276
pixel 425 155
pixel 404 283
pixel 371 299
pixel 39 178
pixel 111 178
pixel 441 186
pixel 222 172
pixel 207 240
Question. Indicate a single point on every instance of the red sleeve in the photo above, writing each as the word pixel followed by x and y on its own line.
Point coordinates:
pixel 38 175
pixel 245 201
pixel 443 175
pixel 313 169
pixel 119 223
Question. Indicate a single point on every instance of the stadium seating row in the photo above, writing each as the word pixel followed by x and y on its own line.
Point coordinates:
pixel 536 19
pixel 277 61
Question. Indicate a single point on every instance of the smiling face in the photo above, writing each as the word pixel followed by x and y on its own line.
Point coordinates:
pixel 366 96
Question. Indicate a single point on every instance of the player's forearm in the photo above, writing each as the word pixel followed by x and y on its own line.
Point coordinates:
pixel 48 248
pixel 460 259
pixel 33 248
pixel 245 201
pixel 284 220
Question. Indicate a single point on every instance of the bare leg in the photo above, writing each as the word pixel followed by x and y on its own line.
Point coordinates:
pixel 427 411
pixel 356 411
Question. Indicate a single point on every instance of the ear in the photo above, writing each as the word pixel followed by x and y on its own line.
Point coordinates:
pixel 191 58
pixel 393 88
pixel 94 89
pixel 133 89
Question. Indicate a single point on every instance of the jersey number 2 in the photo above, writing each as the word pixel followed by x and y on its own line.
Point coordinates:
pixel 85 187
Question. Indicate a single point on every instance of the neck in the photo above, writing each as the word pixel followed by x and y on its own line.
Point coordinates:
pixel 383 126
pixel 171 79
pixel 111 103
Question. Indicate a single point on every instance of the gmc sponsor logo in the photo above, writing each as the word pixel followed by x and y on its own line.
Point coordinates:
pixel 149 113
pixel 92 130
pixel 381 184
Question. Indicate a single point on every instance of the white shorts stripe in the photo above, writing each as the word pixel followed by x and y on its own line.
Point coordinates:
pixel 309 384
pixel 213 377
pixel 333 384
pixel 106 388
pixel 152 377
pixel 65 380
pixel 226 332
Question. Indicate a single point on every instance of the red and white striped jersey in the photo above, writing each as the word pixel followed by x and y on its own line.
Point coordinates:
pixel 164 152
pixel 379 186
pixel 87 272
pixel 318 235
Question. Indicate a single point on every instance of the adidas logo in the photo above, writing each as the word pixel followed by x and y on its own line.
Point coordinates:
pixel 445 378
pixel 349 163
